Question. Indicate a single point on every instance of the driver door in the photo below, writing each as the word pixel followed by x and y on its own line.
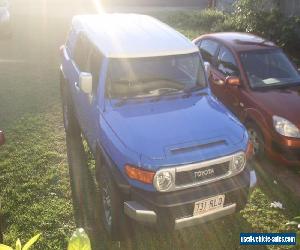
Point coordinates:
pixel 226 66
pixel 89 103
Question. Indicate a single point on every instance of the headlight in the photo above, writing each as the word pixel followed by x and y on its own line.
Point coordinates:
pixel 238 162
pixel 163 180
pixel 285 127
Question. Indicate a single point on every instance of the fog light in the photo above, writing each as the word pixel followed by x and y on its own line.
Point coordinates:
pixel 163 180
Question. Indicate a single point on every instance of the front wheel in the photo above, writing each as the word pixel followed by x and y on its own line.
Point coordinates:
pixel 113 218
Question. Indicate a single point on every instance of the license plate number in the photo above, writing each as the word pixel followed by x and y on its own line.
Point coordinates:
pixel 212 203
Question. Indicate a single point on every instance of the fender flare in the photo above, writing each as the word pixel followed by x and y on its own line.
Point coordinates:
pixel 256 117
pixel 102 156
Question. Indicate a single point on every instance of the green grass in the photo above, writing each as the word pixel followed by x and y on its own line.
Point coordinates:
pixel 34 180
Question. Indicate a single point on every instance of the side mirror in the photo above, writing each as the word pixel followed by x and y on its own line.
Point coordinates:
pixel 233 81
pixel 207 67
pixel 86 82
pixel 2 138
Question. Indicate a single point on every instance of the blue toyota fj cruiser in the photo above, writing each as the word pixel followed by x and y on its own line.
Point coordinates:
pixel 167 152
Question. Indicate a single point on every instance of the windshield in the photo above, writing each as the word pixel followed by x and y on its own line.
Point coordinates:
pixel 155 76
pixel 269 68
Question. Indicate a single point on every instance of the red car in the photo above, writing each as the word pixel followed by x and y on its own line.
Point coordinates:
pixel 2 140
pixel 261 86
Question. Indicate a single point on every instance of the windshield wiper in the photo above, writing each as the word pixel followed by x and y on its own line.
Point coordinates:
pixel 167 93
pixel 192 89
pixel 147 80
pixel 122 101
pixel 189 91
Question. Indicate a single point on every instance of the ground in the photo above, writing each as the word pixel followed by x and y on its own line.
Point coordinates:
pixel 34 179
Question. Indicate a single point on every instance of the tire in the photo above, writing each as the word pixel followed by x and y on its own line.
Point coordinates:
pixel 115 223
pixel 70 122
pixel 257 139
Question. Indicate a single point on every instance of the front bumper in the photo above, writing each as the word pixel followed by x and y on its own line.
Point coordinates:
pixel 175 210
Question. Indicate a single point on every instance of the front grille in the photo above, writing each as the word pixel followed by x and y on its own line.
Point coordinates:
pixel 202 174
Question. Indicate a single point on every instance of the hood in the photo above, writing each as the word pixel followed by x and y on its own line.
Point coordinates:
pixel 284 102
pixel 179 130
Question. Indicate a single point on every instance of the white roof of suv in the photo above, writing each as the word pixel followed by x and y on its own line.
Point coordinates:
pixel 132 35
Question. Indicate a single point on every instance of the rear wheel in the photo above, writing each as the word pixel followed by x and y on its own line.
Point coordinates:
pixel 257 139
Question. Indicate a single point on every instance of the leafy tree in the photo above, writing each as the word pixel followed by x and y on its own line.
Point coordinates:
pixel 261 18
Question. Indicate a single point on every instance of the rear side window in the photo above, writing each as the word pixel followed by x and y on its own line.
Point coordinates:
pixel 94 67
pixel 226 63
pixel 208 49
pixel 81 52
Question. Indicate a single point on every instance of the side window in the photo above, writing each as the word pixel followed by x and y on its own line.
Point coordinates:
pixel 94 67
pixel 226 63
pixel 81 52
pixel 208 49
